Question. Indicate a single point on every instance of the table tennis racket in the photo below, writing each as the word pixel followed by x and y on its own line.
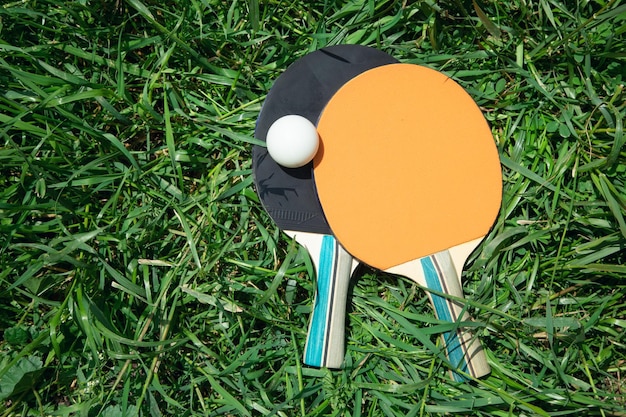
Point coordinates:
pixel 409 178
pixel 289 196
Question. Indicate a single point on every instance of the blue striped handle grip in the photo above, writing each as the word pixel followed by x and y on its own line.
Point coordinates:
pixel 325 342
pixel 440 273
pixel 464 350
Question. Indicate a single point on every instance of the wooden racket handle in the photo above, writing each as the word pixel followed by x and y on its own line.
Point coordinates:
pixel 325 343
pixel 438 273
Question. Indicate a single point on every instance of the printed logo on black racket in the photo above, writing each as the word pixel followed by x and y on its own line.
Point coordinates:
pixel 409 178
pixel 289 195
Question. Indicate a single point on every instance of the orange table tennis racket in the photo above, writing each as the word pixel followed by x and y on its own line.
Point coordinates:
pixel 409 178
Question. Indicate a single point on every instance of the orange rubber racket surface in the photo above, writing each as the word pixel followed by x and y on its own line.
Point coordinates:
pixel 407 165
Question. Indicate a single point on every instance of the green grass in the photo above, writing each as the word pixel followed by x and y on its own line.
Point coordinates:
pixel 139 273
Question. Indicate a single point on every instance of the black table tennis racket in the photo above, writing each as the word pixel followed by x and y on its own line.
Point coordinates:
pixel 289 195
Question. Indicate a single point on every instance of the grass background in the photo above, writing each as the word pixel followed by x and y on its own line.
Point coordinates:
pixel 139 273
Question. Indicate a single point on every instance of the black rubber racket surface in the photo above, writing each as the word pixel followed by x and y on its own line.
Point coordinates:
pixel 288 194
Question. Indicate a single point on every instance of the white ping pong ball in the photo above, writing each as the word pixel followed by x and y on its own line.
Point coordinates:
pixel 292 141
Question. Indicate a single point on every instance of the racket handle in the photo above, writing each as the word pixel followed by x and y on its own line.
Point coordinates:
pixel 463 349
pixel 325 344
